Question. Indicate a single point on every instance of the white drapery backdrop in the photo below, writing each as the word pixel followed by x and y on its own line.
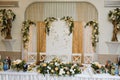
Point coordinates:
pixel 58 40
pixel 88 40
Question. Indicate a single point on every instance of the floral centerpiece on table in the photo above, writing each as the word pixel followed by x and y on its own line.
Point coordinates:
pixel 95 65
pixel 18 64
pixel 69 22
pixel 25 32
pixel 114 17
pixel 31 66
pixel 48 21
pixel 58 68
pixel 112 68
pixel 6 18
pixel 95 32
pixel 98 68
pixel 70 69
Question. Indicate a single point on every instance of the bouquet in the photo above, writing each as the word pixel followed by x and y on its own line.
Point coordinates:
pixel 98 68
pixel 18 64
pixel 58 68
pixel 31 66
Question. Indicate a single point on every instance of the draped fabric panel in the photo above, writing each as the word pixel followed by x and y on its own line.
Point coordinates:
pixel 86 12
pixel 88 40
pixel 41 38
pixel 80 11
pixel 77 45
pixel 32 46
pixel 59 9
pixel 35 12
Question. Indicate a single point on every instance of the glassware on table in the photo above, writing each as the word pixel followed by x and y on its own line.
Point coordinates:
pixel 5 65
pixel 25 67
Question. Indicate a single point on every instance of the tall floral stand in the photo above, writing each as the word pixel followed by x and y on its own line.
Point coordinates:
pixel 115 31
pixel 9 26
pixel 113 47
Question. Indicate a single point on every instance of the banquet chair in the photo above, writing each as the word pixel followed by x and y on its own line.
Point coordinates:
pixel 32 56
pixel 88 58
pixel 42 56
pixel 76 58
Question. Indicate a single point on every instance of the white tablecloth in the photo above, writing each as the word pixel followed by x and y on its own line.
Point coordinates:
pixel 36 76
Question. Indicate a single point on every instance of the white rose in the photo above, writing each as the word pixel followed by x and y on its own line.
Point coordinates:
pixel 48 67
pixel 56 64
pixel 61 72
pixel 18 61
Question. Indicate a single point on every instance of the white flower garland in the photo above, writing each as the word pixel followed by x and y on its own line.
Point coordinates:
pixel 25 32
pixel 95 32
pixel 69 21
pixel 114 16
pixel 5 15
pixel 48 21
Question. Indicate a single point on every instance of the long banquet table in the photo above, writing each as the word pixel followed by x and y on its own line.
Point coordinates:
pixel 36 76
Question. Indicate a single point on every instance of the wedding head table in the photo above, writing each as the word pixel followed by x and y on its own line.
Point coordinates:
pixel 9 75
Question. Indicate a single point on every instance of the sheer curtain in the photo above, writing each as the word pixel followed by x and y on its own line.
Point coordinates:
pixel 35 12
pixel 88 40
pixel 86 12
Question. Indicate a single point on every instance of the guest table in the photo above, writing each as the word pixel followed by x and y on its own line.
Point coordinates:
pixel 7 75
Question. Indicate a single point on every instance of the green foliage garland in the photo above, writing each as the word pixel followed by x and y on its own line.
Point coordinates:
pixel 114 17
pixel 25 32
pixel 95 32
pixel 48 21
pixel 69 22
pixel 5 17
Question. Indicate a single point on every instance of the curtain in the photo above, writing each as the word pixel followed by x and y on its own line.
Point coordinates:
pixel 88 40
pixel 41 39
pixel 86 12
pixel 35 12
pixel 77 44
pixel 32 46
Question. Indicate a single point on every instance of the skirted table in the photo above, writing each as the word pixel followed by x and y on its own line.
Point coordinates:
pixel 36 76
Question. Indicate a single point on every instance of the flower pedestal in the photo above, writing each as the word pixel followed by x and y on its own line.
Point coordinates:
pixel 9 44
pixel 113 46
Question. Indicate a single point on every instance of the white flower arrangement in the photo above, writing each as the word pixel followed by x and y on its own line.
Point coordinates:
pixel 6 18
pixel 48 21
pixel 58 68
pixel 69 22
pixel 18 64
pixel 114 17
pixel 25 32
pixel 95 32
pixel 31 67
pixel 98 68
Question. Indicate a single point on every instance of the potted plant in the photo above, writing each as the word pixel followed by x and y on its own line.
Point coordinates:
pixel 114 17
pixel 6 18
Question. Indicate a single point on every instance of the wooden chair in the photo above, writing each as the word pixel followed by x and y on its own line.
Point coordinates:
pixel 32 56
pixel 42 56
pixel 76 58
pixel 88 58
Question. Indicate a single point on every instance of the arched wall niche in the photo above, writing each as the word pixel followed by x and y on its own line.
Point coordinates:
pixel 39 11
